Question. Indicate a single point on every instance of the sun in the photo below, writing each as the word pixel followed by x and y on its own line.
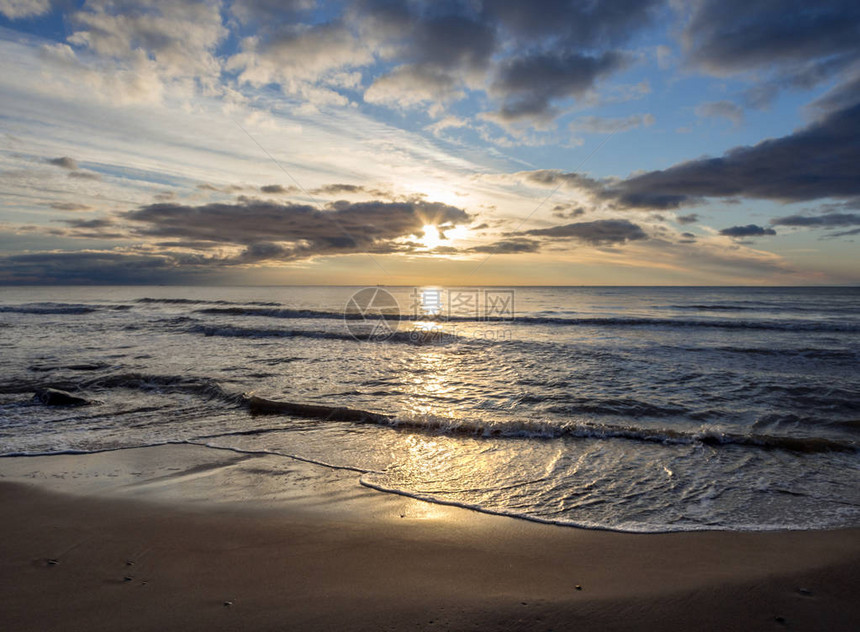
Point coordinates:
pixel 431 236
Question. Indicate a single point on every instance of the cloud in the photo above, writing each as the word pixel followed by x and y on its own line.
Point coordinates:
pixel 727 36
pixel 819 161
pixel 107 268
pixel 599 125
pixel 408 86
pixel 532 55
pixel 567 211
pixel 528 85
pixel 180 36
pixel 263 12
pixel 517 245
pixel 450 41
pixel 70 206
pixel 305 60
pixel 65 162
pixel 277 189
pixel 597 233
pixel 793 44
pixel 721 109
pixel 588 24
pixel 828 220
pixel 99 228
pixel 89 223
pixel 690 218
pixel 84 175
pixel 338 189
pixel 750 230
pixel 249 232
pixel 845 233
pixel 527 57
pixel 449 122
pixel 17 9
pixel 227 188
pixel 552 178
pixel 298 231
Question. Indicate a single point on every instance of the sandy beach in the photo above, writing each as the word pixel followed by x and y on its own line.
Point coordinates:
pixel 185 537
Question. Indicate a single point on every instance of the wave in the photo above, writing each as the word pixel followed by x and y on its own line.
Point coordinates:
pixel 417 337
pixel 271 313
pixel 809 353
pixel 627 407
pixel 278 311
pixel 537 429
pixel 60 308
pixel 600 321
pixel 48 308
pixel 633 321
pixel 194 301
pixel 202 386
pixel 761 307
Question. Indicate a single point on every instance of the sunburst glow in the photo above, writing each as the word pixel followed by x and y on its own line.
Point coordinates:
pixel 431 236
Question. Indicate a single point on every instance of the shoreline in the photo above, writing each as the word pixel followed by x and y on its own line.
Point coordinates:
pixel 314 550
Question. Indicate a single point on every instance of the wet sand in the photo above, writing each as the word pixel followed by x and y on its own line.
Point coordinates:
pixel 184 537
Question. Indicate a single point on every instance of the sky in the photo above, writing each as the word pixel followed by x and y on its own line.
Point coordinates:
pixel 421 142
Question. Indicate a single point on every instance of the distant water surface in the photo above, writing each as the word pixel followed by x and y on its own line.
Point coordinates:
pixel 638 409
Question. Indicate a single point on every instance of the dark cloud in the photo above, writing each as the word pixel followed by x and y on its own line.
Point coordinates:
pixel 791 44
pixel 227 188
pixel 450 42
pixel 528 85
pixel 690 218
pixel 99 228
pixel 444 35
pixel 192 245
pixel 533 55
pixel 726 36
pixel 277 189
pixel 108 268
pixel 337 189
pixel 69 206
pixel 845 233
pixel 566 22
pixel 750 230
pixel 264 12
pixel 84 175
pixel 840 96
pixel 89 223
pixel 820 161
pixel 567 211
pixel 509 246
pixel 597 233
pixel 65 162
pixel 300 231
pixel 828 220
pixel 557 178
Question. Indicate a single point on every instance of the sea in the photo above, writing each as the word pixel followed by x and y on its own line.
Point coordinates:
pixel 640 409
